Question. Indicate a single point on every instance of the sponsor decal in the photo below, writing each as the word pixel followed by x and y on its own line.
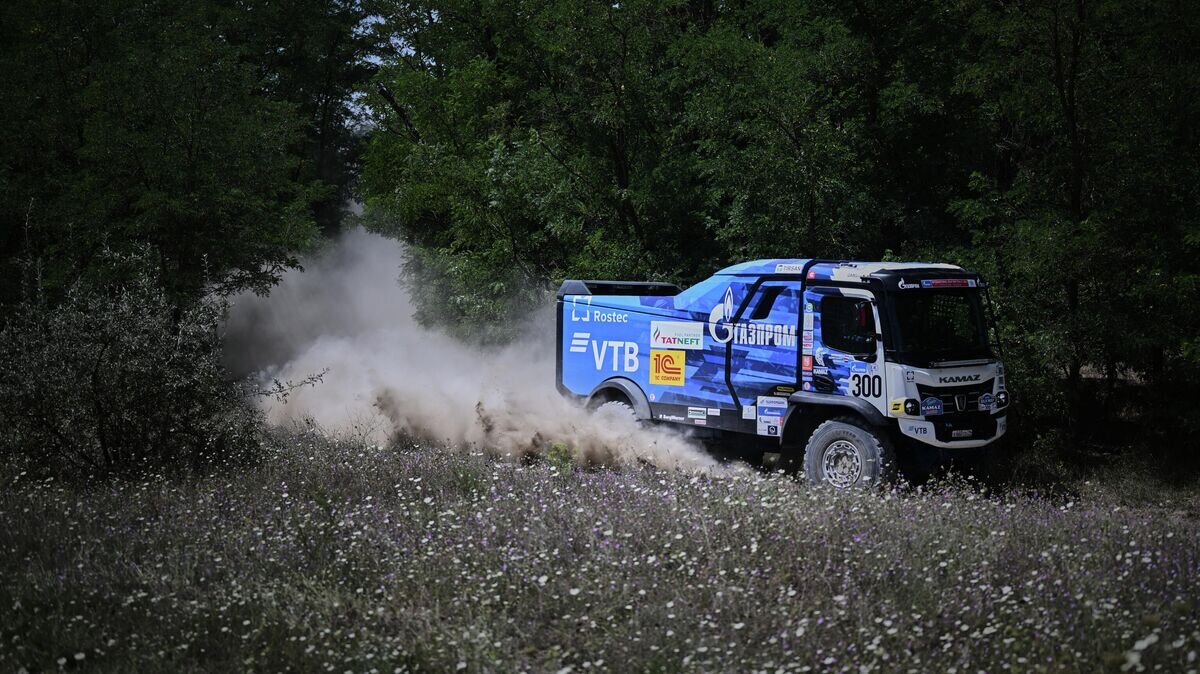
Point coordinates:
pixel 749 412
pixel 931 406
pixel 907 286
pixel 808 307
pixel 909 375
pixel 789 269
pixel 959 379
pixel 812 273
pixel 697 413
pixel 781 390
pixel 948 283
pixel 916 429
pixel 807 339
pixel 651 396
pixel 670 417
pixel 808 321
pixel 807 376
pixel 806 362
pixel 963 433
pixel 714 412
pixel 667 368
pixel 579 342
pixel 746 334
pixel 700 422
pixel 987 402
pixel 897 406
pixel 580 313
pixel 666 334
pixel 807 386
pixel 821 370
pixel 770 414
pixel 624 355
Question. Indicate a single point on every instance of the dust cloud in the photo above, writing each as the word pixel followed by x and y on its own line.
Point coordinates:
pixel 346 314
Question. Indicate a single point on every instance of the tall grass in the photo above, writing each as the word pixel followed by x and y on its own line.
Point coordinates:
pixel 344 557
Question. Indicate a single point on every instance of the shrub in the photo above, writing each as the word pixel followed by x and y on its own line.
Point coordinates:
pixel 119 382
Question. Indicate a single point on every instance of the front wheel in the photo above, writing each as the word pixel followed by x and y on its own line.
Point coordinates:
pixel 846 453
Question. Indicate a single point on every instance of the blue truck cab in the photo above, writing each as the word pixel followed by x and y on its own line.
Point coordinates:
pixel 829 364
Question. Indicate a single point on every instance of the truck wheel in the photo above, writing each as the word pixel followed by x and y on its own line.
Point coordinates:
pixel 845 453
pixel 617 409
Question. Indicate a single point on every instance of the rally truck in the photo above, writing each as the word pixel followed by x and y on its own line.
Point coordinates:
pixel 827 365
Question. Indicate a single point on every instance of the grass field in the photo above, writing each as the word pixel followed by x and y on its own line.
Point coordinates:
pixel 341 557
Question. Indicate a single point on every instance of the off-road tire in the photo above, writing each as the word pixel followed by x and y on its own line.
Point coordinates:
pixel 617 407
pixel 847 453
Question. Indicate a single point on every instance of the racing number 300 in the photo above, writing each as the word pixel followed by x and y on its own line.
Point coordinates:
pixel 867 385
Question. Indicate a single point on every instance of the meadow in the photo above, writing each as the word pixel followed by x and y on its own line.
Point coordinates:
pixel 349 557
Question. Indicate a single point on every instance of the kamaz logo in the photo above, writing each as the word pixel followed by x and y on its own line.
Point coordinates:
pixel 959 379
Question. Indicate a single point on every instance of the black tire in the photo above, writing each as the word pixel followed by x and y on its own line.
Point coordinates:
pixel 618 409
pixel 847 453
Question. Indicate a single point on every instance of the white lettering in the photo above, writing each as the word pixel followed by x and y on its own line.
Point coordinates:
pixel 624 355
pixel 631 357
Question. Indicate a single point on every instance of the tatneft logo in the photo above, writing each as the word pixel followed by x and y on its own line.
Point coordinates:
pixel 667 368
pixel 746 334
pixel 959 379
pixel 677 335
pixel 582 312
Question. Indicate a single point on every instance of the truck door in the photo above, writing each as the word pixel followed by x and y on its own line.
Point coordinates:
pixel 842 351
pixel 763 356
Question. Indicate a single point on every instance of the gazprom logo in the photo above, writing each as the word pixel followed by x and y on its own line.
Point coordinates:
pixel 720 314
pixel 748 333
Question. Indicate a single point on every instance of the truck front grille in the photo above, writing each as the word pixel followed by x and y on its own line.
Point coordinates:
pixel 956 399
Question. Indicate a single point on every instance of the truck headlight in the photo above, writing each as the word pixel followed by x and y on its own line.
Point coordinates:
pixel 1002 399
pixel 912 408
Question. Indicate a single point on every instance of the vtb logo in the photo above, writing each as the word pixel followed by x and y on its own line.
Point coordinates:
pixel 667 367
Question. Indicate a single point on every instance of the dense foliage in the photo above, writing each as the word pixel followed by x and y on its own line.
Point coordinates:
pixel 351 558
pixel 110 383
pixel 214 132
pixel 1051 145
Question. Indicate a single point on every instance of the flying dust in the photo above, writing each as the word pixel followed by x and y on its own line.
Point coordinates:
pixel 348 316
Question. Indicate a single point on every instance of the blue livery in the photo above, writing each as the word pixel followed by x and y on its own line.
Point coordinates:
pixel 904 347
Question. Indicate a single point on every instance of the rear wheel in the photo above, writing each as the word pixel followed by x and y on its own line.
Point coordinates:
pixel 846 453
pixel 617 409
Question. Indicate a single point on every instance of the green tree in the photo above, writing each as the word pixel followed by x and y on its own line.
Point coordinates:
pixel 160 124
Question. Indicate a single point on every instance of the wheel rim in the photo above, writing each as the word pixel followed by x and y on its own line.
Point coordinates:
pixel 842 463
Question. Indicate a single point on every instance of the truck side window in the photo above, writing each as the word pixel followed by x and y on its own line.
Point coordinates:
pixel 848 325
pixel 766 299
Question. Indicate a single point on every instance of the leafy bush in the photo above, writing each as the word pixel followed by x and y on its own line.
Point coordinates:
pixel 119 382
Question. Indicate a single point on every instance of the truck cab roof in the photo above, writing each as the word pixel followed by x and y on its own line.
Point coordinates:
pixel 844 270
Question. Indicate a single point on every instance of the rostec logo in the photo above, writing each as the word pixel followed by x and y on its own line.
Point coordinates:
pixel 746 334
pixel 579 342
pixel 676 335
pixel 587 314
pixel 584 315
pixel 959 379
pixel 667 368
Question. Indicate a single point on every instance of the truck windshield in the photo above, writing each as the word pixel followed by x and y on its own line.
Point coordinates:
pixel 939 325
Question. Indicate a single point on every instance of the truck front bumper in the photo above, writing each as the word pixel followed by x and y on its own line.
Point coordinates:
pixel 972 429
